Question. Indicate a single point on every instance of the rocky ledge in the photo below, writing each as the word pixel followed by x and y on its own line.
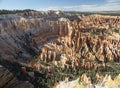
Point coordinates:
pixel 8 80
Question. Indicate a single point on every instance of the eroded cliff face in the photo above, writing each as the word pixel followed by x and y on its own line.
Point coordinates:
pixel 60 40
pixel 21 37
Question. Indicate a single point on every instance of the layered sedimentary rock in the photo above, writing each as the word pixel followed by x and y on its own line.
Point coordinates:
pixel 23 37
pixel 8 80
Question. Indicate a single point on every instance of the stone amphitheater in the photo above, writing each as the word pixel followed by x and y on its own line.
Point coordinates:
pixel 62 39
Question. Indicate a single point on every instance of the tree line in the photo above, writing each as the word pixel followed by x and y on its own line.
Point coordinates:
pixel 3 11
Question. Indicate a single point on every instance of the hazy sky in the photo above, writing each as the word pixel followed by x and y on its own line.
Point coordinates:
pixel 73 5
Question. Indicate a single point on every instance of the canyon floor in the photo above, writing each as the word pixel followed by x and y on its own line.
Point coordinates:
pixel 56 49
